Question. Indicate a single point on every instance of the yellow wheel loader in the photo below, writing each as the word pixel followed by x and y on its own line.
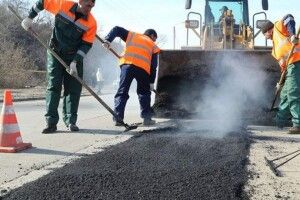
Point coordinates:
pixel 226 71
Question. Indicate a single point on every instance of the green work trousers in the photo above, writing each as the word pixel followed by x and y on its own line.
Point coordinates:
pixel 290 97
pixel 56 77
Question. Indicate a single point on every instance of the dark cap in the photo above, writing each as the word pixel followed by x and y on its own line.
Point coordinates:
pixel 224 8
pixel 266 26
pixel 149 32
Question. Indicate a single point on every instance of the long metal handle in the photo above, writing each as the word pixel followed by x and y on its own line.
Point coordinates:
pixel 286 155
pixel 67 69
pixel 284 72
pixel 110 49
pixel 278 89
pixel 287 160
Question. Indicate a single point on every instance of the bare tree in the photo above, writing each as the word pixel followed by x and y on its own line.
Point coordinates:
pixel 20 52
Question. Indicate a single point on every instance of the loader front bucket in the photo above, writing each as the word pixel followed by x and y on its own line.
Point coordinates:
pixel 189 81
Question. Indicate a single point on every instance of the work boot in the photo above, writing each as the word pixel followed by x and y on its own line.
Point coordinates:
pixel 73 127
pixel 294 130
pixel 51 128
pixel 118 123
pixel 148 122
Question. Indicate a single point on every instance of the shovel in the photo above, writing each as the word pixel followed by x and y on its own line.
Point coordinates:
pixel 127 127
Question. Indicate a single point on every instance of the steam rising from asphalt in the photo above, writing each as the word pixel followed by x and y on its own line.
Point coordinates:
pixel 98 57
pixel 236 83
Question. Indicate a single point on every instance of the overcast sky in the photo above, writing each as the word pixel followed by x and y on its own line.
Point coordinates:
pixel 163 15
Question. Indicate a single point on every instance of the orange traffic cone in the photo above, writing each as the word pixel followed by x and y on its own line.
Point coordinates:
pixel 10 136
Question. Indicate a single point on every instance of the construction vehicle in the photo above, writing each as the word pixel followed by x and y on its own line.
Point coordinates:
pixel 226 24
pixel 225 36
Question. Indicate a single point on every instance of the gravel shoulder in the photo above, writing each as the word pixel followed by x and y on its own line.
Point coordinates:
pixel 273 143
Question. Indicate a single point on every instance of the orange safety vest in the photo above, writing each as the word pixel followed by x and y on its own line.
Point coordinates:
pixel 63 7
pixel 139 50
pixel 282 46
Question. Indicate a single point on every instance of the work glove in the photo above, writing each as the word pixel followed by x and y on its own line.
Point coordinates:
pixel 277 86
pixel 106 44
pixel 152 86
pixel 73 68
pixel 294 39
pixel 282 63
pixel 27 23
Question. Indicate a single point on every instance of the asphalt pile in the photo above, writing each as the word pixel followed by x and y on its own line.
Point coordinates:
pixel 161 165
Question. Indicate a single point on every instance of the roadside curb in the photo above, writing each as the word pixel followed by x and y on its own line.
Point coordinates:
pixel 35 98
pixel 31 94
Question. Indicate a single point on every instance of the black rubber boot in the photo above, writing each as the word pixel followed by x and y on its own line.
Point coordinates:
pixel 118 124
pixel 148 122
pixel 73 127
pixel 49 129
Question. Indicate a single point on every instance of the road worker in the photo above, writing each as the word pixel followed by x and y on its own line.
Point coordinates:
pixel 100 81
pixel 72 37
pixel 138 62
pixel 223 12
pixel 283 35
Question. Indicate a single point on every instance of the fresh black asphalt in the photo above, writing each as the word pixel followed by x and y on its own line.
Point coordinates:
pixel 160 165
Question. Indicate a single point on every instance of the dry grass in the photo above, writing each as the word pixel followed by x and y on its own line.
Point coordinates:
pixel 21 54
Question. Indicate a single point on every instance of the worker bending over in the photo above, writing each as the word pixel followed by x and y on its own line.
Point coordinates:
pixel 283 35
pixel 138 62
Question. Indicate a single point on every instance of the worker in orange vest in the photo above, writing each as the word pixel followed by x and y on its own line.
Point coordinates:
pixel 72 37
pixel 283 34
pixel 138 62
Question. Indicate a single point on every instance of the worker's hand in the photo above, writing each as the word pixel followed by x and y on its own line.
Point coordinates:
pixel 73 68
pixel 27 23
pixel 282 63
pixel 294 39
pixel 106 44
pixel 152 86
pixel 278 86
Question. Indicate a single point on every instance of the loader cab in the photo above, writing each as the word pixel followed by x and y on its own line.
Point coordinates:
pixel 226 24
pixel 224 16
pixel 215 9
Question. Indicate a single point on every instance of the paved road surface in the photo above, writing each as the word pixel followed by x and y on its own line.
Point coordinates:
pixel 182 165
pixel 161 165
pixel 96 130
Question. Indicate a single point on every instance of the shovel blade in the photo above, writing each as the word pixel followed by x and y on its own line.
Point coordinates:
pixel 129 128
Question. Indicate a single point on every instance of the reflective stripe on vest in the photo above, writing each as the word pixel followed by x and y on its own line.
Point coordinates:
pixel 36 9
pixel 139 50
pixel 282 45
pixel 81 53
